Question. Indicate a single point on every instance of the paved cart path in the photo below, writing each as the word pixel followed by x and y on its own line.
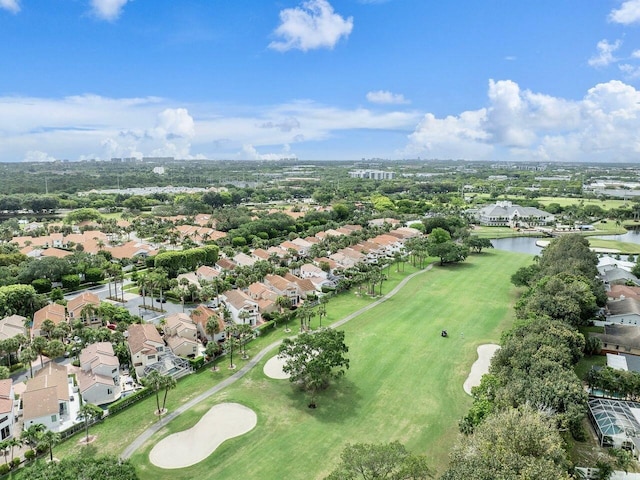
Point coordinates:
pixel 149 432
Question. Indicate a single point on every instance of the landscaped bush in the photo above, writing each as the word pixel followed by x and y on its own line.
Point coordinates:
pixel 4 469
pixel 71 282
pixel 265 327
pixel 29 455
pixel 41 285
pixel 196 363
pixel 15 463
pixel 16 366
pixel 123 403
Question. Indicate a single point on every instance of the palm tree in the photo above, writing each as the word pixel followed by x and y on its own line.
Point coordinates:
pixel 12 443
pixel 88 313
pixel 28 355
pixel 244 331
pixel 49 439
pixel 283 302
pixel 39 345
pixel 243 315
pixel 30 435
pixel 231 343
pixel 89 412
pixel 168 383
pixel 212 327
pixel 155 382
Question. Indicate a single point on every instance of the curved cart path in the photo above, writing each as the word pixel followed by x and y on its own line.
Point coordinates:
pixel 149 432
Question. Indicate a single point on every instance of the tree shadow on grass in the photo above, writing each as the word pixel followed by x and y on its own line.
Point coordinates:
pixel 339 401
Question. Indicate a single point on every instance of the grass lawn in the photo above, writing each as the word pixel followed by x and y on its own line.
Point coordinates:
pixel 620 247
pixel 585 364
pixel 405 381
pixel 114 434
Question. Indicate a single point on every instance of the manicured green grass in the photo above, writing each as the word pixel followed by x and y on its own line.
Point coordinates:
pixel 115 433
pixel 585 364
pixel 405 381
pixel 620 247
pixel 500 232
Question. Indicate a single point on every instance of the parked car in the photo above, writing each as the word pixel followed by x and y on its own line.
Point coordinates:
pixel 161 300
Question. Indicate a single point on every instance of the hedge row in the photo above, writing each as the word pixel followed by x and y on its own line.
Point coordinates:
pixel 125 402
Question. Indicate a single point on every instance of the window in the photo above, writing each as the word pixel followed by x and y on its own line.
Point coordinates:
pixel 151 357
pixel 5 433
pixel 4 419
pixel 54 418
pixel 109 391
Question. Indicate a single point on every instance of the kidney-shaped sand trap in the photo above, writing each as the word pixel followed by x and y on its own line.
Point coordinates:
pixel 273 368
pixel 480 366
pixel 186 448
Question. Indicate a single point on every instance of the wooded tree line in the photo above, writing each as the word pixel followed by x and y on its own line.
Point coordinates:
pixel 532 393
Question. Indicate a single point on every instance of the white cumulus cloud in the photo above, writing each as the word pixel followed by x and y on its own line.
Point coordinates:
pixel 108 10
pixel 11 5
pixel 312 25
pixel 386 97
pixel 38 156
pixel 519 124
pixel 604 56
pixel 628 13
pixel 249 152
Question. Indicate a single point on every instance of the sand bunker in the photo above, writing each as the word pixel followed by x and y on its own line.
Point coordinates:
pixel 186 448
pixel 480 366
pixel 273 368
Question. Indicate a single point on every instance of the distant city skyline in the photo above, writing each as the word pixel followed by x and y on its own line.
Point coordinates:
pixel 320 79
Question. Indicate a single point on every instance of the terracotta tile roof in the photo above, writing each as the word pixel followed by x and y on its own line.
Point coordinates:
pixel 76 304
pixel 12 326
pixel 180 322
pixel 131 249
pixel 175 341
pixel 332 263
pixel 226 264
pixel 86 380
pixel 100 353
pixel 207 273
pixel 202 319
pixel 55 252
pixel 278 282
pixel 261 254
pixel 53 311
pixel 6 401
pixel 618 291
pixel 312 270
pixel 244 260
pixel 143 338
pixel 47 387
pixel 237 298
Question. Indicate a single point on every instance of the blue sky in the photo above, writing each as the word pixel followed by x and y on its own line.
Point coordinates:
pixel 320 79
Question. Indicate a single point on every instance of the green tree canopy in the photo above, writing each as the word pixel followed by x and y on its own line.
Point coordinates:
pixel 313 359
pixel 390 461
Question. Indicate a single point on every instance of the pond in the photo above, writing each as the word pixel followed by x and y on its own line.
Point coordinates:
pixel 632 236
pixel 518 244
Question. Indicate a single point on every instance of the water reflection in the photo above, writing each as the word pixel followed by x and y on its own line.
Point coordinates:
pixel 518 244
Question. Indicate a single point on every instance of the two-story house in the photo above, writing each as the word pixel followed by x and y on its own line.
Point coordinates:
pixel 145 346
pixel 181 334
pixel 99 375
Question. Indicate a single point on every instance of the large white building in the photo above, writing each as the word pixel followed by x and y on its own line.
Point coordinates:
pixel 507 214
pixel 372 174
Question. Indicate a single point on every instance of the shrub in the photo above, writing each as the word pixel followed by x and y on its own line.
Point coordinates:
pixel 29 455
pixel 123 403
pixel 15 463
pixel 196 363
pixel 16 366
pixel 4 469
pixel 71 282
pixel 41 285
pixel 265 327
